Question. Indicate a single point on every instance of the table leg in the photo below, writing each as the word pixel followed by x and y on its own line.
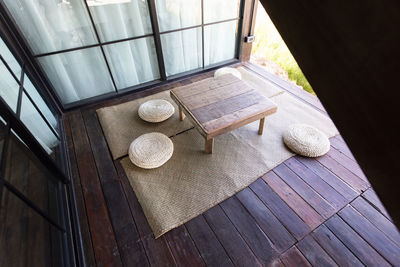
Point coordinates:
pixel 181 114
pixel 209 146
pixel 261 127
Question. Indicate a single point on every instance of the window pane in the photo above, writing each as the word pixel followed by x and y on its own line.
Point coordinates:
pixel 9 87
pixel 38 100
pixel 177 14
pixel 10 59
pixel 26 238
pixel 133 62
pixel 24 171
pixel 119 19
pixel 219 42
pixel 37 126
pixel 217 10
pixel 182 51
pixel 51 25
pixel 78 74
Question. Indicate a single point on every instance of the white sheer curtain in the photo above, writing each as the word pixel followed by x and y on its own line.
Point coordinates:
pixel 52 25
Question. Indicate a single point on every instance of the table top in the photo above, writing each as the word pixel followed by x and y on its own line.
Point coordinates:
pixel 222 104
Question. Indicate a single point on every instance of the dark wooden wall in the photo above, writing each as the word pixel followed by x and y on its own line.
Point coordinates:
pixel 349 52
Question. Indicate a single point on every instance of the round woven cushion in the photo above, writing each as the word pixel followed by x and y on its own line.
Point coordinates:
pixel 306 140
pixel 156 110
pixel 151 150
pixel 225 70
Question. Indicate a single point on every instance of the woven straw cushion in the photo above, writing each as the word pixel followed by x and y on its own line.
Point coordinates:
pixel 151 150
pixel 156 110
pixel 225 70
pixel 306 140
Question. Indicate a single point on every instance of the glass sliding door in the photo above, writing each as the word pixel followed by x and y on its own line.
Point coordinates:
pixel 19 93
pixel 91 48
pixel 34 216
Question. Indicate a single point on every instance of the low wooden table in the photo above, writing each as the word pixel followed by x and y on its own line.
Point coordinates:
pixel 220 105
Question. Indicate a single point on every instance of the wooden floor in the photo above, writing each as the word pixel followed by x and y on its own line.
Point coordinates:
pixel 305 211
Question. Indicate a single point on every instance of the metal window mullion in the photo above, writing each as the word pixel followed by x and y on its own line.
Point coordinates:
pixel 41 114
pixel 202 32
pixel 157 38
pixel 101 46
pixel 20 91
pixel 28 202
pixel 3 162
pixel 9 69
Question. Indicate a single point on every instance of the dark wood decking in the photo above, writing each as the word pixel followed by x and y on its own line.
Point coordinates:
pixel 303 212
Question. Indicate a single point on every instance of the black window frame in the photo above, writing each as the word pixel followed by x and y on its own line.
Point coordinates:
pixel 158 47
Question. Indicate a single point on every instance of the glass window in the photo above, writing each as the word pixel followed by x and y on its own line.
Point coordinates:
pixel 133 62
pixel 10 59
pixel 37 126
pixel 38 100
pixel 24 171
pixel 52 25
pixel 78 74
pixel 218 10
pixel 3 133
pixel 219 42
pixel 9 87
pixel 177 14
pixel 182 51
pixel 120 19
pixel 26 238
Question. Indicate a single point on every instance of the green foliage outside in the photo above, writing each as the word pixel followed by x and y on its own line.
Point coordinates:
pixel 269 45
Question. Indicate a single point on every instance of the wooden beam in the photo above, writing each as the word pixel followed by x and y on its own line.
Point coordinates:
pixel 349 53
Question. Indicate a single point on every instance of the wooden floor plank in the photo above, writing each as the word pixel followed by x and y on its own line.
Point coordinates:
pixel 293 257
pixel 231 240
pixel 276 232
pixel 313 252
pixel 371 234
pixel 249 230
pixel 103 239
pixel 157 250
pixel 127 236
pixel 182 247
pixel 335 248
pixel 335 199
pixel 377 219
pixel 347 162
pixel 343 173
pixel 80 202
pixel 280 209
pixel 207 243
pixel 373 198
pixel 341 146
pixel 301 207
pixel 358 246
pixel 344 189
pixel 305 191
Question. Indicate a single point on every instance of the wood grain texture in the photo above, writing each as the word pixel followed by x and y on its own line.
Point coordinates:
pixel 103 239
pixel 313 252
pixel 231 240
pixel 359 247
pixel 220 105
pixel 335 248
pixel 293 257
pixel 301 207
pixel 280 209
pixel 371 234
pixel 275 231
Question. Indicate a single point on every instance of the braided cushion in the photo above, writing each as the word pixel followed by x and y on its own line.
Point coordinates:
pixel 151 150
pixel 156 110
pixel 225 70
pixel 306 140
